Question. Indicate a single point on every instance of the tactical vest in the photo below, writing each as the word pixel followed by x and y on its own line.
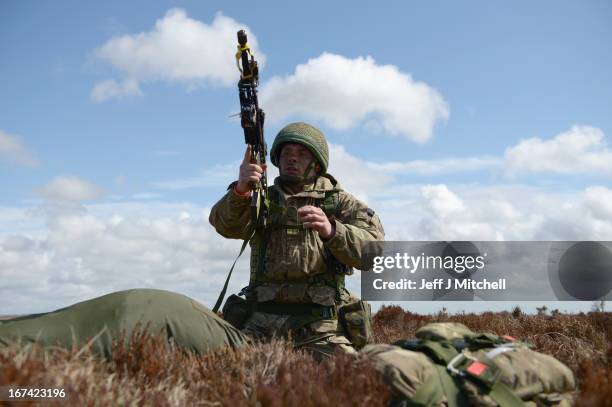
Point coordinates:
pixel 323 288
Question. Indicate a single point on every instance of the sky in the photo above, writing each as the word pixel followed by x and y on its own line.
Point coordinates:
pixel 480 120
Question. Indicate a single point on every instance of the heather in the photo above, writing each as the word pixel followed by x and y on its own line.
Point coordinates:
pixel 149 372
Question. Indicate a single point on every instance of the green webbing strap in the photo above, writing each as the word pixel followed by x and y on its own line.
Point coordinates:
pixel 440 352
pixel 504 396
pixel 310 167
pixel 449 387
pixel 330 203
pixel 257 273
pixel 485 340
pixel 490 382
pixel 276 208
pixel 433 390
pixel 222 294
pixel 278 226
pixel 264 236
pixel 441 384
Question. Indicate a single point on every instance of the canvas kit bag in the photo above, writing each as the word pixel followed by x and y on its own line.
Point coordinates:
pixel 449 365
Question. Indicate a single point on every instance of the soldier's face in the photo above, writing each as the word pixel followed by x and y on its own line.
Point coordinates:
pixel 295 159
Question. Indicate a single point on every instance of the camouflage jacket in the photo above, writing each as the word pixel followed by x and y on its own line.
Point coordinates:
pixel 293 256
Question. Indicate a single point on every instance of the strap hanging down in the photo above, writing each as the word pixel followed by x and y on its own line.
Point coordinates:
pixel 222 294
pixel 433 391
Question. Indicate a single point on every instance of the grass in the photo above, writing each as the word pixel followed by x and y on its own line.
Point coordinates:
pixel 149 372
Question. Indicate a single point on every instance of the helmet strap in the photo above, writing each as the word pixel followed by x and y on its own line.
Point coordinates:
pixel 301 179
pixel 309 168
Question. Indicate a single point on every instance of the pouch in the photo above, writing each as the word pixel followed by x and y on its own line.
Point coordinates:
pixel 356 317
pixel 237 310
pixel 322 295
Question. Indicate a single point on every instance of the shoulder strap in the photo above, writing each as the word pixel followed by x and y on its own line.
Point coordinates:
pixel 330 203
pixel 275 208
pixel 437 386
pixel 229 275
pixel 331 207
pixel 331 178
pixel 274 198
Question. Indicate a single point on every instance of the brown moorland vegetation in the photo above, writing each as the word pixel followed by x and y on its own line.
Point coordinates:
pixel 149 372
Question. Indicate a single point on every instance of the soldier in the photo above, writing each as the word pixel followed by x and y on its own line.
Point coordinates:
pixel 299 260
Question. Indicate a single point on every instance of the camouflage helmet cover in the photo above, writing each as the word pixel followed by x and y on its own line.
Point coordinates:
pixel 306 135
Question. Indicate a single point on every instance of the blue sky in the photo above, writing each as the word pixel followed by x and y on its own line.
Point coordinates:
pixel 454 120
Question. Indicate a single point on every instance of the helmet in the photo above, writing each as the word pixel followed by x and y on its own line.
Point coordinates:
pixel 306 135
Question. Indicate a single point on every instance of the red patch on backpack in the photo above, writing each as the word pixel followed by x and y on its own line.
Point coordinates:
pixel 477 368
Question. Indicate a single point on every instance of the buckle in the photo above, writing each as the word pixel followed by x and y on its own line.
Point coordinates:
pixel 499 349
pixel 481 372
pixel 456 360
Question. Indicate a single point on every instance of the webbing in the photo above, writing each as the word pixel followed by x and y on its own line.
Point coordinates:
pixel 224 290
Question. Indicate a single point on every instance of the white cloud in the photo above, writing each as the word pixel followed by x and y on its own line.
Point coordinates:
pixel 13 151
pixel 15 220
pixel 345 92
pixel 218 176
pixel 363 178
pixel 109 247
pixel 352 175
pixel 438 166
pixel 96 249
pixel 599 202
pixel 451 217
pixel 70 189
pixel 177 49
pixel 582 149
pixel 496 212
pixel 441 200
pixel 111 89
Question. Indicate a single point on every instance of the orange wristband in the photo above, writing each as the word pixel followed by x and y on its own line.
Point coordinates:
pixel 242 194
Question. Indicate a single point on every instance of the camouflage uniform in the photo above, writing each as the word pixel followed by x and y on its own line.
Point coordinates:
pixel 295 271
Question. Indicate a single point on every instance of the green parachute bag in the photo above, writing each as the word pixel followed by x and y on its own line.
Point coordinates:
pixel 449 365
pixel 100 321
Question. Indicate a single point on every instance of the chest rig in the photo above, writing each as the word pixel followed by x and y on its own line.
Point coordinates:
pixel 280 214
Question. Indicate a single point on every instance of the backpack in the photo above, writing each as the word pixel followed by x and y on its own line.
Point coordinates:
pixel 449 365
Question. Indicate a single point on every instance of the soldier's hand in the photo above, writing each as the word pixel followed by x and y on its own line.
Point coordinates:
pixel 315 218
pixel 249 172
